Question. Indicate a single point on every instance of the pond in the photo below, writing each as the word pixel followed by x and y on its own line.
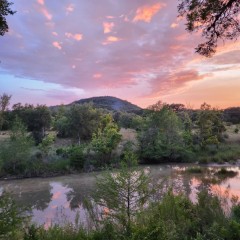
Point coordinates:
pixel 60 200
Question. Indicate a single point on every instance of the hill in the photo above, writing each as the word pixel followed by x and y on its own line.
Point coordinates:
pixel 109 103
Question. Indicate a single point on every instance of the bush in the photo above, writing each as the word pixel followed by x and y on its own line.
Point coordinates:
pixel 11 217
pixel 77 157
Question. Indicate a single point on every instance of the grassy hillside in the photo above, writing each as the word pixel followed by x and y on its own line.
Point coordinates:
pixel 109 103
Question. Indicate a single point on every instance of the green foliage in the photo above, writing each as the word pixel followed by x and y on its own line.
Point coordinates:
pixel 11 217
pixel 83 121
pixel 4 11
pixel 131 214
pixel 162 137
pixel 194 170
pixel 4 99
pixel 15 152
pixel 37 119
pixel 46 143
pixel 106 139
pixel 77 156
pixel 128 120
pixel 214 19
pixel 123 194
pixel 210 126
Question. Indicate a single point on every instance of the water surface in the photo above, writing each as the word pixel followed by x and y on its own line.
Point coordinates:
pixel 61 199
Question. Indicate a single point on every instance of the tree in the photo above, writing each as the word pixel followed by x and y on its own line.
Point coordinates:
pixel 106 139
pixel 122 195
pixel 162 135
pixel 12 217
pixel 216 19
pixel 4 11
pixel 4 103
pixel 83 121
pixel 16 151
pixel 46 144
pixel 210 125
pixel 37 119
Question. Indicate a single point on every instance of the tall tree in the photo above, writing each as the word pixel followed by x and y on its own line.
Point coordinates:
pixel 162 135
pixel 4 11
pixel 210 125
pixel 216 19
pixel 37 119
pixel 4 103
pixel 83 121
pixel 15 152
pixel 122 196
pixel 106 139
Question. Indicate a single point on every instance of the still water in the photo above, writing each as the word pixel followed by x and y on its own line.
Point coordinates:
pixel 60 199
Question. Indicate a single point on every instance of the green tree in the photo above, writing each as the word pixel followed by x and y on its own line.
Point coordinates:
pixel 162 135
pixel 4 11
pixel 47 143
pixel 122 195
pixel 210 125
pixel 215 19
pixel 4 103
pixel 15 152
pixel 11 217
pixel 106 139
pixel 61 123
pixel 83 121
pixel 37 119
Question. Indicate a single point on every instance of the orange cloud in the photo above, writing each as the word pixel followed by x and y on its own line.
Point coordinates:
pixel 97 75
pixel 76 36
pixel 107 27
pixel 146 13
pixel 57 45
pixel 174 25
pixel 111 39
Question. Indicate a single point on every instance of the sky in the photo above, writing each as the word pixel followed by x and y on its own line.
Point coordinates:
pixel 57 52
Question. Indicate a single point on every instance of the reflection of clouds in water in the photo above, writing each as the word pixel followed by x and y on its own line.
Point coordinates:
pixel 58 210
pixel 58 200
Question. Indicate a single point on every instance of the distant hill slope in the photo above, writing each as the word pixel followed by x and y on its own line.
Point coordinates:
pixel 109 103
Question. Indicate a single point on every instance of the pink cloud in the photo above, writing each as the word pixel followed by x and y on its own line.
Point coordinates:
pixel 107 27
pixel 146 13
pixel 76 36
pixel 111 39
pixel 172 82
pixel 174 25
pixel 46 14
pixel 57 45
pixel 97 75
pixel 41 2
pixel 70 8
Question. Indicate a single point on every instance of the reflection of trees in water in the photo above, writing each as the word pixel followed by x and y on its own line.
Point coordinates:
pixel 78 194
pixel 38 198
pixel 181 181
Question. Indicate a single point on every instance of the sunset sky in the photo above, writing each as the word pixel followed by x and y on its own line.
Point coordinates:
pixel 58 51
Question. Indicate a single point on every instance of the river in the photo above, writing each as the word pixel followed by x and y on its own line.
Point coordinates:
pixel 59 200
